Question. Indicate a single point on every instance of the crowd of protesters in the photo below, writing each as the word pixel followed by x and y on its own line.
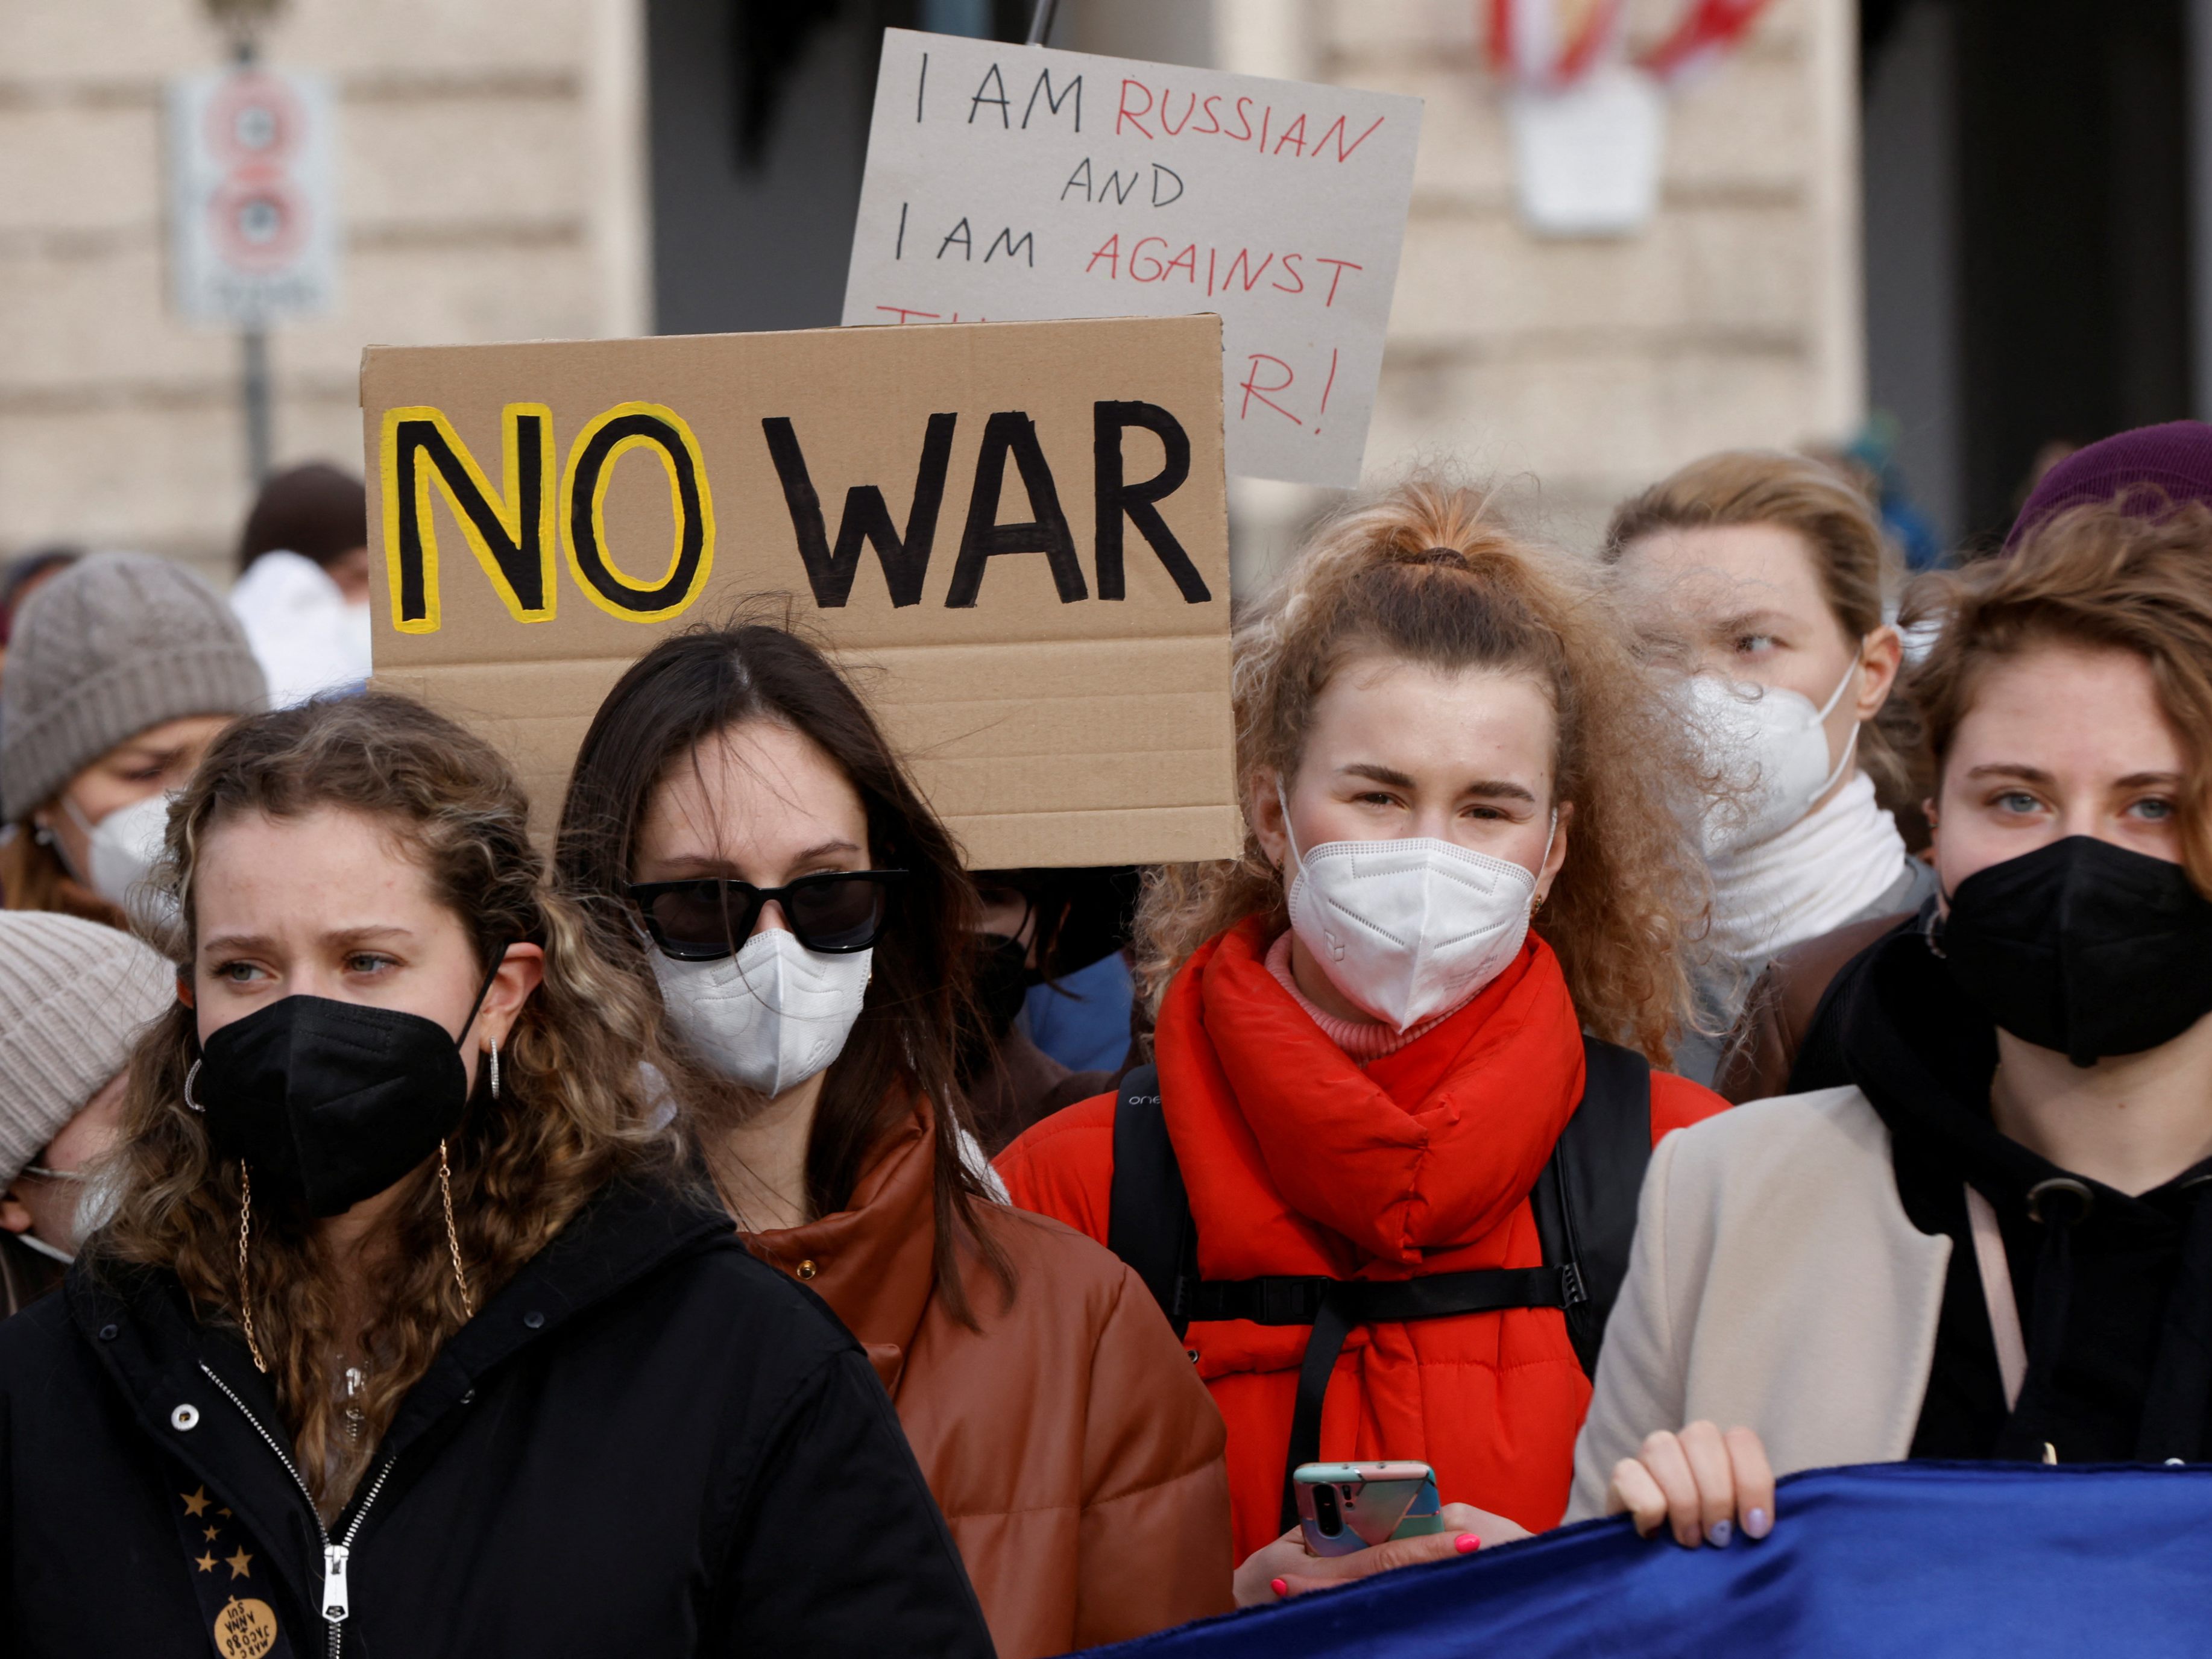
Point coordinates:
pixel 732 1224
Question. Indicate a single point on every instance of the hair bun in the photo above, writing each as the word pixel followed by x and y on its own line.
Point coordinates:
pixel 1446 556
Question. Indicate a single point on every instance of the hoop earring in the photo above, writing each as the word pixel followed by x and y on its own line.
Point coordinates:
pixel 245 1290
pixel 189 1101
pixel 495 1071
pixel 452 1234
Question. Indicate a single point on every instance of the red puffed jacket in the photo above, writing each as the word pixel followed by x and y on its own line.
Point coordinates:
pixel 1300 1161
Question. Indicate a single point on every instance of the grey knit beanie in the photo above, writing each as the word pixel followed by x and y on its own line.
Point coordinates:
pixel 74 996
pixel 115 644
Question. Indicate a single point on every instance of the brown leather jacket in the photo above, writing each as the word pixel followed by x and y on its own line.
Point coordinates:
pixel 1762 1049
pixel 1077 1458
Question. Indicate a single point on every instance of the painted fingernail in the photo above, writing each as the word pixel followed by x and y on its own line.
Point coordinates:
pixel 1721 1534
pixel 1280 1588
pixel 1467 1543
pixel 1757 1523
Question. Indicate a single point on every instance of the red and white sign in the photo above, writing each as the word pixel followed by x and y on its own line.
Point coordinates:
pixel 1589 125
pixel 1012 184
pixel 253 206
pixel 1547 46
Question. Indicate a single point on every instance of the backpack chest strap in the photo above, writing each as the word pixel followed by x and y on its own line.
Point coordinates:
pixel 1333 1306
pixel 1291 1300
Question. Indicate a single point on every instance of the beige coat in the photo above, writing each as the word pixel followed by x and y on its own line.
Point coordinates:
pixel 1775 1283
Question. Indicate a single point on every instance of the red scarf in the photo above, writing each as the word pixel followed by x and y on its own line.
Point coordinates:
pixel 1298 1160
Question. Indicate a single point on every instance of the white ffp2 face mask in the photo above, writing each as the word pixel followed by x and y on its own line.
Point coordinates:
pixel 1409 929
pixel 770 1017
pixel 124 847
pixel 1770 746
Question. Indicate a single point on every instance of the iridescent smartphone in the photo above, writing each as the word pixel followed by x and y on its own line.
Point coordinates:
pixel 1344 1507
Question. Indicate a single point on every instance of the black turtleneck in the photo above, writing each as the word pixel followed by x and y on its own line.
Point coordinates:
pixel 2115 1293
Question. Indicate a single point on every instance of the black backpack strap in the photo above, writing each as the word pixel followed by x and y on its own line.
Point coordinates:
pixel 1344 1302
pixel 1585 1209
pixel 1585 1201
pixel 1148 1223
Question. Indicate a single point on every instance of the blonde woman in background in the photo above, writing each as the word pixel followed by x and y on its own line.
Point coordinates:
pixel 1764 576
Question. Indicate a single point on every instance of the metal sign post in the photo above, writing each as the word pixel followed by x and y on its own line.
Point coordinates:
pixel 253 213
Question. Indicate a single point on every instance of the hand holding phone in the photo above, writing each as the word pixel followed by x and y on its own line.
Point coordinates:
pixel 1288 1566
pixel 1346 1507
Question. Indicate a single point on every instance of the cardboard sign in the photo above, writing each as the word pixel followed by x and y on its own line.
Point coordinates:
pixel 1009 181
pixel 1015 534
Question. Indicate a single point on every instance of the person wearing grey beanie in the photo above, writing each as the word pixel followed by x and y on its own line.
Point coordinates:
pixel 121 669
pixel 74 996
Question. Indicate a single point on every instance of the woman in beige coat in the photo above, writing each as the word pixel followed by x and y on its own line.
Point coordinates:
pixel 1996 1241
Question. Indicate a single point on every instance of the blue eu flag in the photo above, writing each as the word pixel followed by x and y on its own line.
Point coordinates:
pixel 1921 1560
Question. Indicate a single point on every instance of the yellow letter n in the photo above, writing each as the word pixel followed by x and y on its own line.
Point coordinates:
pixel 511 534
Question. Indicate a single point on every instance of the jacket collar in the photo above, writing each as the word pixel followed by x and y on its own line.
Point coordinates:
pixel 628 1229
pixel 1924 1056
pixel 1300 1161
pixel 142 1329
pixel 25 1275
pixel 875 1261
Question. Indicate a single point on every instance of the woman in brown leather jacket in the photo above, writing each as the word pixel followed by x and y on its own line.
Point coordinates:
pixel 806 918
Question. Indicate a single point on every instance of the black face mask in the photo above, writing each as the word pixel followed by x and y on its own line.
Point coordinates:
pixel 1002 979
pixel 2083 947
pixel 1001 983
pixel 332 1102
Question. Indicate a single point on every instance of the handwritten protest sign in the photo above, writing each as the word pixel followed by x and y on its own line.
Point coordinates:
pixel 1015 534
pixel 1009 181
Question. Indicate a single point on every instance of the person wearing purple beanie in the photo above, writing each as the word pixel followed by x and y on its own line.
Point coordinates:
pixel 2152 468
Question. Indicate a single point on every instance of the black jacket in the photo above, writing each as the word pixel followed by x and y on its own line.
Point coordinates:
pixel 25 1275
pixel 648 1443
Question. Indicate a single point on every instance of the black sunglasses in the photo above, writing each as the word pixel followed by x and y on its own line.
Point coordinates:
pixel 707 919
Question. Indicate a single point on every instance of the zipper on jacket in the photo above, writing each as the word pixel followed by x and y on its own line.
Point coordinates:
pixel 336 1604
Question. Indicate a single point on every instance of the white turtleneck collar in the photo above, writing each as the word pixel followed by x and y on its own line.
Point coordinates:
pixel 1804 880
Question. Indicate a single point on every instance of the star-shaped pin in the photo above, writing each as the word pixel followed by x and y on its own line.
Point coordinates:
pixel 206 1564
pixel 209 1534
pixel 239 1563
pixel 195 1503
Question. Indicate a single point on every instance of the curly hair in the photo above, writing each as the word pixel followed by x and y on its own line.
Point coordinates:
pixel 573 1110
pixel 1419 572
pixel 2100 577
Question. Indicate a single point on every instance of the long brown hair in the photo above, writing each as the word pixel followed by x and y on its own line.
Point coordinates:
pixel 571 1115
pixel 2098 577
pixel 679 695
pixel 1419 572
pixel 1859 570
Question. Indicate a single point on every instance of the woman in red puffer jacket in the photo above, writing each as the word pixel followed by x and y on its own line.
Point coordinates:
pixel 1370 1040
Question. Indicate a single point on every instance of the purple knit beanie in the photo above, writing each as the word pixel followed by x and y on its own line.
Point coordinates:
pixel 2154 467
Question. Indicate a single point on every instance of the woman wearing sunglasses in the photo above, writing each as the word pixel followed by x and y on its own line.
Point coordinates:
pixel 806 918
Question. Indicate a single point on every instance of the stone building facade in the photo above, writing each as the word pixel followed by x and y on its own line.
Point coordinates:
pixel 495 186
pixel 490 168
pixel 1587 368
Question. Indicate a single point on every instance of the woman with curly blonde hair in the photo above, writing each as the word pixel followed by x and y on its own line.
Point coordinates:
pixel 1464 799
pixel 409 1330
